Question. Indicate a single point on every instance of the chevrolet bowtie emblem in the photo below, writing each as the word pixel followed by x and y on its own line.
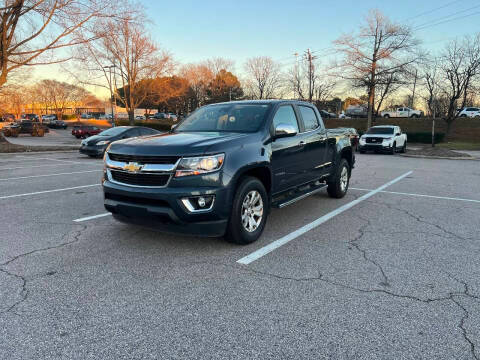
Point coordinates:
pixel 133 167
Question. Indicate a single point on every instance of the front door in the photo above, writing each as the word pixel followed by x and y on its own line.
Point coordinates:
pixel 287 153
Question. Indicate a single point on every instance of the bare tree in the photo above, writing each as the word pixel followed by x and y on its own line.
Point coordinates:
pixel 33 31
pixel 460 68
pixel 199 76
pixel 58 96
pixel 379 48
pixel 216 64
pixel 264 77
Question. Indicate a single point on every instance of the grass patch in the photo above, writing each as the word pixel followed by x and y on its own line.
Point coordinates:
pixel 457 145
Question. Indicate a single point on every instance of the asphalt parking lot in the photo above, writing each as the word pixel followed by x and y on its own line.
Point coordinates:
pixel 391 271
pixel 55 137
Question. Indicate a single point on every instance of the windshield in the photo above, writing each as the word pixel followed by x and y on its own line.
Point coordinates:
pixel 380 130
pixel 225 118
pixel 112 131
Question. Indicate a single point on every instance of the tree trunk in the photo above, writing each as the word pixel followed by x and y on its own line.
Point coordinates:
pixel 371 105
pixel 131 117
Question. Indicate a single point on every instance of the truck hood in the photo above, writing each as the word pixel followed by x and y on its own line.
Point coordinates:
pixel 176 144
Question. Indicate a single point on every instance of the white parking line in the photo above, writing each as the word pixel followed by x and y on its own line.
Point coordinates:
pixel 45 165
pixel 48 191
pixel 92 217
pixel 57 174
pixel 421 195
pixel 293 235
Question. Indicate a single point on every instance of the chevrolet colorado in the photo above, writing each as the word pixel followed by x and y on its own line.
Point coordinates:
pixel 221 169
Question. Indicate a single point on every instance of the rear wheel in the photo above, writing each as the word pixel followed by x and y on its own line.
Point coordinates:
pixel 414 116
pixel 249 212
pixel 386 116
pixel 338 185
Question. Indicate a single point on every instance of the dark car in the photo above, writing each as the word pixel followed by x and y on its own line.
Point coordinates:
pixel 31 117
pixel 95 146
pixel 325 114
pixel 85 131
pixel 57 124
pixel 8 118
pixel 223 167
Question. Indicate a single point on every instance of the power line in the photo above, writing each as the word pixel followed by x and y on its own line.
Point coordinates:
pixel 435 9
pixel 448 20
pixel 444 17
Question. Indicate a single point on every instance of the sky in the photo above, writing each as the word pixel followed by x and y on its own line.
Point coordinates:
pixel 194 31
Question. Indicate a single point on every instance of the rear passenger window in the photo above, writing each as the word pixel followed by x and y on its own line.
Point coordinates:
pixel 285 115
pixel 309 118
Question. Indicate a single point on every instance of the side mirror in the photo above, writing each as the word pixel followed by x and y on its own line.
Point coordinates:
pixel 284 130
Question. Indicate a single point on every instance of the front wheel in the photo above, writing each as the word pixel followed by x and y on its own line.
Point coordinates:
pixel 338 185
pixel 404 148
pixel 249 212
pixel 394 149
pixel 386 116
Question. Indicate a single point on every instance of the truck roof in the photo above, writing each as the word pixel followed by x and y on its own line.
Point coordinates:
pixel 265 101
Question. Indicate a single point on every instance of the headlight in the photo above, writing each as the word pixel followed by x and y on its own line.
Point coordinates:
pixel 199 165
pixel 104 142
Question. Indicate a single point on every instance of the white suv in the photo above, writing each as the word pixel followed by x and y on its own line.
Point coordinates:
pixel 469 112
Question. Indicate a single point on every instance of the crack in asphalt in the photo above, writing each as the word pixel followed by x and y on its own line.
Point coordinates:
pixel 24 280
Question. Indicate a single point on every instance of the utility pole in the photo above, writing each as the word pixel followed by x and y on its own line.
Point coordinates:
pixel 111 92
pixel 310 59
pixel 414 86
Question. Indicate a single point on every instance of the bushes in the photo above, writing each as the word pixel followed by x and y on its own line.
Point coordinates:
pixel 424 137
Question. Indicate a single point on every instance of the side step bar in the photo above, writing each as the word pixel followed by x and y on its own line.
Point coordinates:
pixel 298 196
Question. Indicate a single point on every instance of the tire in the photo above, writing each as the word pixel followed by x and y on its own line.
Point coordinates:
pixel 338 185
pixel 386 116
pixel 237 232
pixel 463 115
pixel 404 148
pixel 394 149
pixel 414 116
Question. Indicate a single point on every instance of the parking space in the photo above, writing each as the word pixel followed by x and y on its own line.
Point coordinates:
pixel 389 271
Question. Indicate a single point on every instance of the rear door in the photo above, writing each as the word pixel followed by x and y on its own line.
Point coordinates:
pixel 287 153
pixel 314 138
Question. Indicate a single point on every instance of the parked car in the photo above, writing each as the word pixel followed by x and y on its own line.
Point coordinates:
pixel 46 119
pixel 95 146
pixel 32 117
pixel 86 116
pixel 221 169
pixel 140 117
pixel 85 131
pixel 159 115
pixel 57 124
pixel 8 118
pixel 25 127
pixel 356 111
pixel 469 112
pixel 401 112
pixel 325 114
pixel 383 138
pixel 343 116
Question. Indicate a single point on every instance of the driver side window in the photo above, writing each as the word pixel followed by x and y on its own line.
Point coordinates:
pixel 285 115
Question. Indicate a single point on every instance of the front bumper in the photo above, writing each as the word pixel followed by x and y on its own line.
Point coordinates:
pixel 92 150
pixel 162 209
pixel 374 147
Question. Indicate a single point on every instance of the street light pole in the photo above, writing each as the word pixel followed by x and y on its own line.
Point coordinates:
pixel 111 92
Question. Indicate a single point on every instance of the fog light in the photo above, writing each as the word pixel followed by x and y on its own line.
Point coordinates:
pixel 201 202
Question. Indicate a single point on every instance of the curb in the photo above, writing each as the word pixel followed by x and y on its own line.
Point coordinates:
pixel 441 157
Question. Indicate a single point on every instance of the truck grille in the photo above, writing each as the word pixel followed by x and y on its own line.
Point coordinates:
pixel 141 159
pixel 140 179
pixel 373 140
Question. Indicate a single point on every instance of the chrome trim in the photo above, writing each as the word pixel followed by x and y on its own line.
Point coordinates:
pixel 162 168
pixel 109 177
pixel 294 200
pixel 323 165
pixel 190 208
